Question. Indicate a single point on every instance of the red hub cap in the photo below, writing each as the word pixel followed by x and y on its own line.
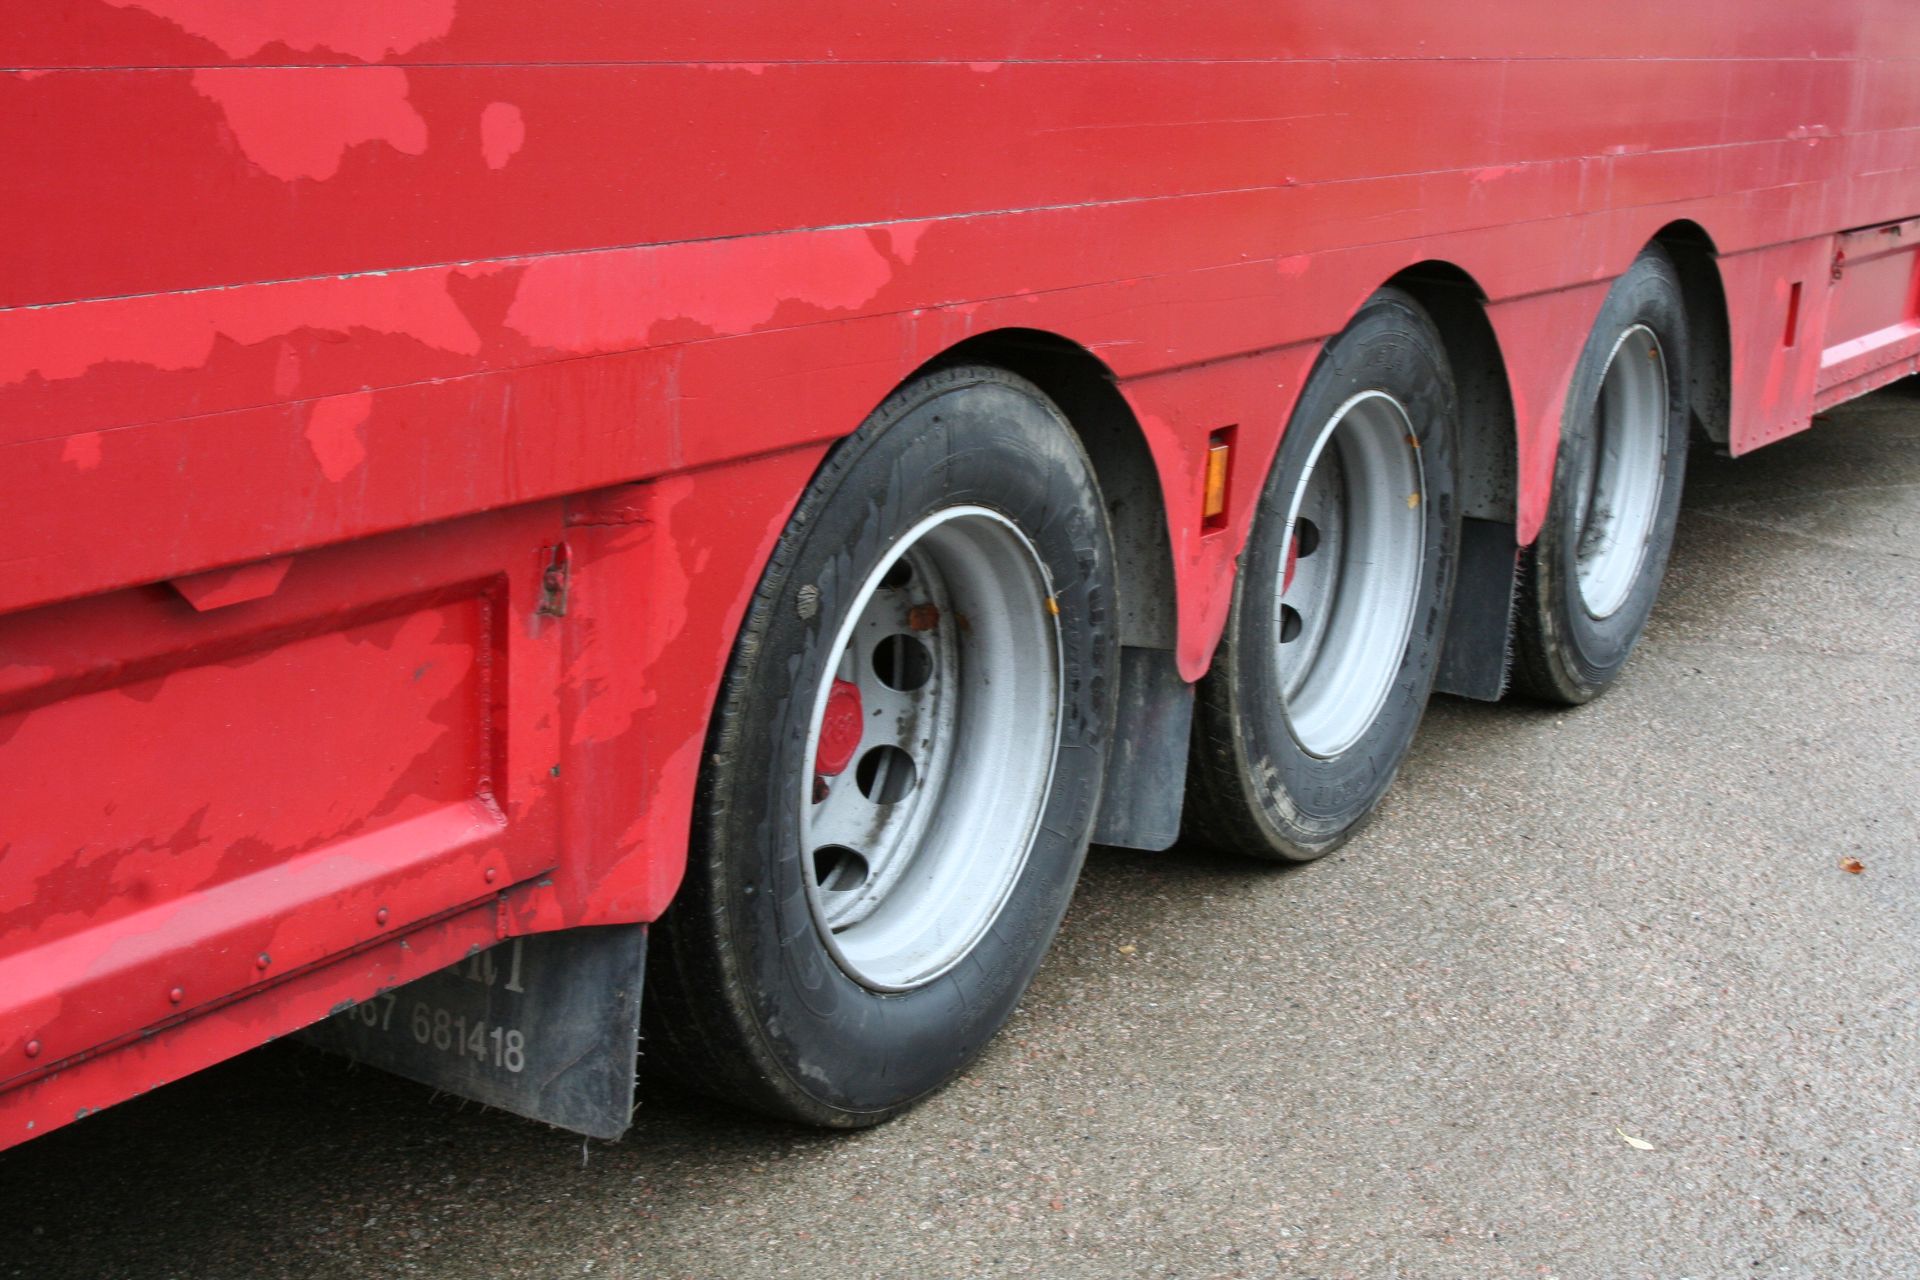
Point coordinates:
pixel 840 730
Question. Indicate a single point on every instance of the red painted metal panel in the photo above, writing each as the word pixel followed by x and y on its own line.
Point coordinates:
pixel 323 326
pixel 198 801
pixel 1876 284
pixel 63 1091
pixel 1873 326
pixel 196 32
pixel 321 171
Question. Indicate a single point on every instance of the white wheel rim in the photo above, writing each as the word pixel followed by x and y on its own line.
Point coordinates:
pixel 1355 539
pixel 911 847
pixel 1619 467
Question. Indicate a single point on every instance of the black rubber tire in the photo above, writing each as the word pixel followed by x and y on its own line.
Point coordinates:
pixel 1252 788
pixel 1561 653
pixel 745 1002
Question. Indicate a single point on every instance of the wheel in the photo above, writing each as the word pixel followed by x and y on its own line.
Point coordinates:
pixel 1341 600
pixel 1588 583
pixel 904 763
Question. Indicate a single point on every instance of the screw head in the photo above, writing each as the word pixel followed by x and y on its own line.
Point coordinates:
pixel 493 874
pixel 33 1048
pixel 380 916
pixel 262 960
pixel 176 995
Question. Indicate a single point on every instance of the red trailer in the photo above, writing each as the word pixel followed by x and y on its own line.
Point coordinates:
pixel 489 487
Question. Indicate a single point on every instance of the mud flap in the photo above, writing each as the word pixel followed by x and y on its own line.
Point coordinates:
pixel 1147 771
pixel 1475 661
pixel 547 1027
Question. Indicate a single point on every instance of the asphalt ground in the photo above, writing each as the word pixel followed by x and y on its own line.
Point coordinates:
pixel 1595 996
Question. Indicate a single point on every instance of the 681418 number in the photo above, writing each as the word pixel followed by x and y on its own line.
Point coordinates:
pixel 447 1032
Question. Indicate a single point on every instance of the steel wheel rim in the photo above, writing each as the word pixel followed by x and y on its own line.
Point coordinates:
pixel 912 844
pixel 1355 540
pixel 1619 469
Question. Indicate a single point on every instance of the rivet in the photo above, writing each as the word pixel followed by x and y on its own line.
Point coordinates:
pixel 176 995
pixel 492 874
pixel 33 1048
pixel 380 916
pixel 262 960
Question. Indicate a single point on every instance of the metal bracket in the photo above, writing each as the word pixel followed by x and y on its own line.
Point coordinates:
pixel 555 581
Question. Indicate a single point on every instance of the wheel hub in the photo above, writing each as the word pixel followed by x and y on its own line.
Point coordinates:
pixel 932 749
pixel 841 727
pixel 1356 535
pixel 1620 467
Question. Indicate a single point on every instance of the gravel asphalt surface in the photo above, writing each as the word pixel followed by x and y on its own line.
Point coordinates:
pixel 1594 997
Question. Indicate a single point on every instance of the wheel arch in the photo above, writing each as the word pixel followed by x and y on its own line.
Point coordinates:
pixel 1709 343
pixel 1473 660
pixel 1088 395
pixel 1489 457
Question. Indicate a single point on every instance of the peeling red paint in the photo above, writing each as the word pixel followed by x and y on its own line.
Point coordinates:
pixel 502 133
pixel 299 123
pixel 613 305
pixel 365 29
pixel 82 451
pixel 184 331
pixel 903 240
pixel 1493 173
pixel 334 431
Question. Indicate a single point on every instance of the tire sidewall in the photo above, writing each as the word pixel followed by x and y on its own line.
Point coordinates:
pixel 961 437
pixel 1309 803
pixel 1586 651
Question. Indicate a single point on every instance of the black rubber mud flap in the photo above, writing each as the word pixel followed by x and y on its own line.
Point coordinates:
pixel 1475 661
pixel 547 1027
pixel 1147 769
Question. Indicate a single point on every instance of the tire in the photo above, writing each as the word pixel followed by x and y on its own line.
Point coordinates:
pixel 1351 559
pixel 875 875
pixel 1588 583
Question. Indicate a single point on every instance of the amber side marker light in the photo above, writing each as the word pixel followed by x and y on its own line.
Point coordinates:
pixel 1213 503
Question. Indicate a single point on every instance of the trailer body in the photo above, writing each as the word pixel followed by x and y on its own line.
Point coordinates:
pixel 399 402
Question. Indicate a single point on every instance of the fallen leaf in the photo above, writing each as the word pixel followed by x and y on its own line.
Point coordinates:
pixel 1852 866
pixel 1126 949
pixel 1638 1144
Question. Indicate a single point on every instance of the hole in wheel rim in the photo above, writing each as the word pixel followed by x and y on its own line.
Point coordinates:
pixel 902 662
pixel 838 869
pixel 885 775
